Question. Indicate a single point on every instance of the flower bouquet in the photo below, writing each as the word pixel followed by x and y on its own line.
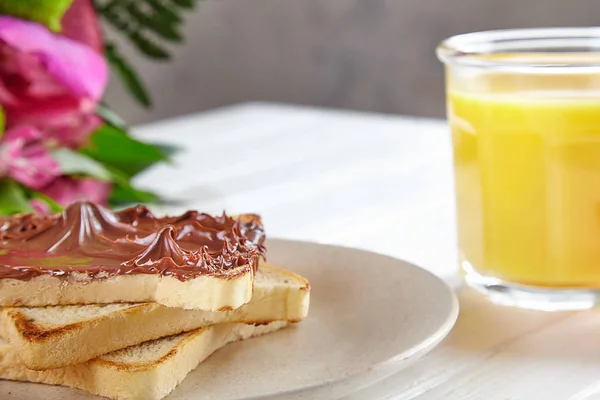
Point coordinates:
pixel 58 142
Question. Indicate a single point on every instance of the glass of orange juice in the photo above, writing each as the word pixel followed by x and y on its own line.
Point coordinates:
pixel 524 110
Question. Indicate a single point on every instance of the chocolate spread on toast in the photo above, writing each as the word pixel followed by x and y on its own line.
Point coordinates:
pixel 88 239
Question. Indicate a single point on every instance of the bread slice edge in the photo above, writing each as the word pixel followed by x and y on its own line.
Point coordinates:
pixel 206 292
pixel 121 375
pixel 279 294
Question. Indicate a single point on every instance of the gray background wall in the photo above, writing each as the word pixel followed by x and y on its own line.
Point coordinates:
pixel 373 55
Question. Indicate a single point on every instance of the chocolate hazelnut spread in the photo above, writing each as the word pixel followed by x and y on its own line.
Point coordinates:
pixel 88 239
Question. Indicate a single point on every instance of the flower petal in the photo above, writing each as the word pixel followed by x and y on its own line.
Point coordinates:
pixel 75 65
pixel 81 23
pixel 66 190
pixel 23 79
pixel 26 159
pixel 64 121
pixel 40 206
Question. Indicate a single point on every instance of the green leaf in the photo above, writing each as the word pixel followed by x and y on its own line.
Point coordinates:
pixel 123 192
pixel 110 117
pixel 118 177
pixel 127 75
pixel 168 150
pixel 184 3
pixel 154 23
pixel 112 147
pixel 127 194
pixel 12 198
pixel 111 15
pixel 107 5
pixel 169 14
pixel 47 12
pixel 74 163
pixel 148 47
pixel 148 24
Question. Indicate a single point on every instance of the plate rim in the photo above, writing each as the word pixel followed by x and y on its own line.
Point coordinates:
pixel 421 348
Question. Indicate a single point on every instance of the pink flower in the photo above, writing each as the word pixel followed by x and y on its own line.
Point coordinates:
pixel 40 206
pixel 80 23
pixel 24 157
pixel 66 190
pixel 49 82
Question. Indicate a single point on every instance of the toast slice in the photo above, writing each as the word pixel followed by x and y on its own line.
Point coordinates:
pixel 51 337
pixel 90 255
pixel 148 371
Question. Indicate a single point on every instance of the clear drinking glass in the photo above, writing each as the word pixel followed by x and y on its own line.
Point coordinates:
pixel 524 111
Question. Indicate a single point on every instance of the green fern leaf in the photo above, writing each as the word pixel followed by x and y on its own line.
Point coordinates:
pixel 168 14
pixel 154 23
pixel 115 19
pixel 127 75
pixel 184 3
pixel 102 6
pixel 148 47
pixel 149 25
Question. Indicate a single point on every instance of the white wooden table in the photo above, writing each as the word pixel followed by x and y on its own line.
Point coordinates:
pixel 381 183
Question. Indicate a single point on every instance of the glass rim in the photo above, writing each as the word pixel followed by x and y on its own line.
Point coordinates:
pixel 465 49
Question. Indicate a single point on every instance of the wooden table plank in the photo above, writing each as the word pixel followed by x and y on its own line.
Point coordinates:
pixel 392 176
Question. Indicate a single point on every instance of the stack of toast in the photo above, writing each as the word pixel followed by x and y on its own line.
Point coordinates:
pixel 125 304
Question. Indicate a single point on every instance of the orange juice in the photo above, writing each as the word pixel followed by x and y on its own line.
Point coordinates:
pixel 527 171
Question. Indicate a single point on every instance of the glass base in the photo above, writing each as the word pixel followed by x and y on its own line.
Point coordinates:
pixel 537 298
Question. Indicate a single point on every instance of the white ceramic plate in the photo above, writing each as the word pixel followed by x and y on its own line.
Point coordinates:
pixel 370 316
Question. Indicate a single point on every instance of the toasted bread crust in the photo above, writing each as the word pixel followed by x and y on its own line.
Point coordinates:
pixel 33 332
pixel 144 366
pixel 152 378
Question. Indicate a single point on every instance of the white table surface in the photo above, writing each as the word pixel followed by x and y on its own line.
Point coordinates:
pixel 381 183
